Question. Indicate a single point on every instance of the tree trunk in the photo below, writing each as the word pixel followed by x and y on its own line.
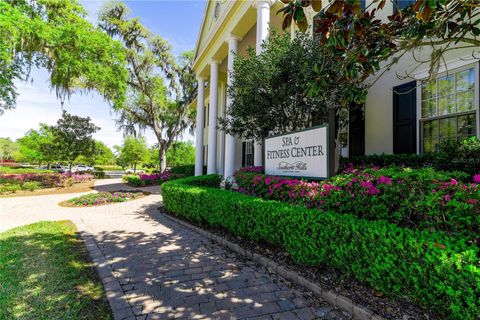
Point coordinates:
pixel 70 171
pixel 135 167
pixel 162 152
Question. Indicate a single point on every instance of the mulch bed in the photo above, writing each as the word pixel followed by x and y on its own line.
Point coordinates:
pixel 331 279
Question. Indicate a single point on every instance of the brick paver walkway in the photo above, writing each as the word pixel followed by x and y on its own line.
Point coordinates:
pixel 154 268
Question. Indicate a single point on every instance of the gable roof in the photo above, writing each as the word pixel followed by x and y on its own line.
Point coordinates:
pixel 215 12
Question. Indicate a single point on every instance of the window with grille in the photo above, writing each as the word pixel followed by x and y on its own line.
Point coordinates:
pixel 448 109
pixel 249 153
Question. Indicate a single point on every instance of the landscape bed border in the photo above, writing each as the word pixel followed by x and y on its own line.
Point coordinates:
pixel 432 276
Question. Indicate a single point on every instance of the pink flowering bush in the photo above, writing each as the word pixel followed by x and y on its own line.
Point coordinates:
pixel 422 198
pixel 45 180
pixel 147 179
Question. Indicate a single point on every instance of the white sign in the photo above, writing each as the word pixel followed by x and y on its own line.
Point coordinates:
pixel 298 154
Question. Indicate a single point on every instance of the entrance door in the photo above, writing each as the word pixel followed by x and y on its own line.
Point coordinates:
pixel 405 118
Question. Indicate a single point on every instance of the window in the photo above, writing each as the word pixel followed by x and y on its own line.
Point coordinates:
pixel 448 109
pixel 247 158
pixel 401 4
pixel 363 4
pixel 205 117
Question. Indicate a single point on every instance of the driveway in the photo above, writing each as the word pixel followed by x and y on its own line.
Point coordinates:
pixel 161 270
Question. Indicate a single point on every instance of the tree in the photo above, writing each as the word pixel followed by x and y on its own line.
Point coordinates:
pixel 151 68
pixel 181 153
pixel 275 80
pixel 36 146
pixel 8 148
pixel 101 156
pixel 54 34
pixel 362 41
pixel 133 151
pixel 72 136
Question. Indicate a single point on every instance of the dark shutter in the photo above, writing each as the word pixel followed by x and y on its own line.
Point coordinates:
pixel 405 118
pixel 244 149
pixel 356 131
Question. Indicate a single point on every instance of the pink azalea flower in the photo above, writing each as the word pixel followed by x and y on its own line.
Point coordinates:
pixel 476 178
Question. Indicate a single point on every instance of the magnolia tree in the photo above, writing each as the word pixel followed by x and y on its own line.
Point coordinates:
pixel 364 44
pixel 72 138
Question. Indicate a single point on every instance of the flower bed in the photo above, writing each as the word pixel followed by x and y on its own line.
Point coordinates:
pixel 103 198
pixel 148 179
pixel 432 269
pixel 422 198
pixel 33 181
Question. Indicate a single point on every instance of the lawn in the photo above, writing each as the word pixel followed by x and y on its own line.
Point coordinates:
pixel 18 170
pixel 46 273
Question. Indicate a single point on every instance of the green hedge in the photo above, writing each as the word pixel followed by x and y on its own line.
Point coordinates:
pixel 186 170
pixel 440 273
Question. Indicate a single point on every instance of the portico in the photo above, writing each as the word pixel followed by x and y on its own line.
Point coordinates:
pixel 228 29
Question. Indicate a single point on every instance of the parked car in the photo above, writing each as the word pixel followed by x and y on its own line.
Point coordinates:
pixel 83 168
pixel 131 170
pixel 57 167
pixel 25 165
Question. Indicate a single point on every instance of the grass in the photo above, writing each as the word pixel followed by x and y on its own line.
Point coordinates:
pixel 17 170
pixel 46 273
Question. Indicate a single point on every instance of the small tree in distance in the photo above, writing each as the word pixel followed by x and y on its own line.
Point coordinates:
pixel 36 146
pixel 133 151
pixel 72 137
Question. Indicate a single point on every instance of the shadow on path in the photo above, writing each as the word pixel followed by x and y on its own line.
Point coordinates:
pixel 173 272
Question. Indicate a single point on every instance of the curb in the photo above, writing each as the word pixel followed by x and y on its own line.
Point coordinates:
pixel 357 312
pixel 121 309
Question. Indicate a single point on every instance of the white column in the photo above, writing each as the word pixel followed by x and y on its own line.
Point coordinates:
pixel 212 119
pixel 263 21
pixel 199 127
pixel 230 141
pixel 221 134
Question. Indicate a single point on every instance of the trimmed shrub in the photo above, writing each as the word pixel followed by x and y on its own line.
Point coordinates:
pixel 148 179
pixel 133 180
pixel 99 174
pixel 421 198
pixel 436 271
pixel 45 180
pixel 453 156
pixel 186 170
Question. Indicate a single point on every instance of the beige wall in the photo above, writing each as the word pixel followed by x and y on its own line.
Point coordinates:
pixel 379 104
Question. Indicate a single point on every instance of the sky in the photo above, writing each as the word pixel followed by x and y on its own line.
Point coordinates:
pixel 177 21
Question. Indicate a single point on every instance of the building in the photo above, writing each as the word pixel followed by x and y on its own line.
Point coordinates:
pixel 401 114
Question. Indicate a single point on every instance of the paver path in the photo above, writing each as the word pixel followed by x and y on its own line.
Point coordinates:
pixel 164 270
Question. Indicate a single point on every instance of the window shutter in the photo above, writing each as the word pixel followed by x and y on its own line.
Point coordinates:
pixel 405 118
